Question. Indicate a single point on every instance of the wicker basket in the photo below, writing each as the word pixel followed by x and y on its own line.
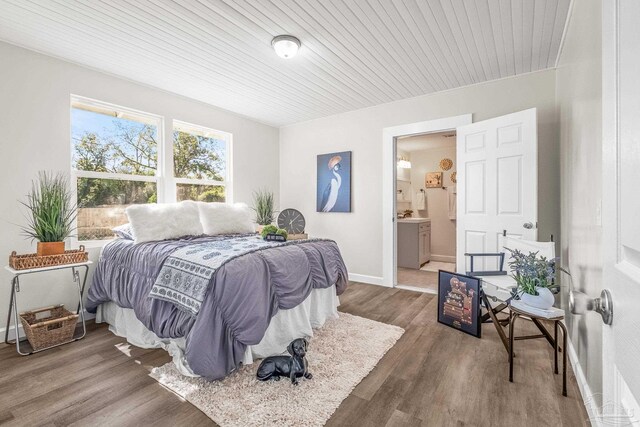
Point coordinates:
pixel 29 261
pixel 48 326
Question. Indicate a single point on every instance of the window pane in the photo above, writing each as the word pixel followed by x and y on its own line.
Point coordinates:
pixel 201 193
pixel 114 143
pixel 101 204
pixel 198 156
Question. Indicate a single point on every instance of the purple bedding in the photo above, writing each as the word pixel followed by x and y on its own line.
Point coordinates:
pixel 243 295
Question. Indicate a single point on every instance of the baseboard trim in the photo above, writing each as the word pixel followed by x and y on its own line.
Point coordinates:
pixel 443 258
pixel 87 316
pixel 363 278
pixel 585 391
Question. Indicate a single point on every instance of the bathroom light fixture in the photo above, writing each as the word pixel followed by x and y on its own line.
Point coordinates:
pixel 286 46
pixel 404 163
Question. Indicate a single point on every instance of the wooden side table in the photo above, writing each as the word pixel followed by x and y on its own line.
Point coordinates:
pixel 13 302
pixel 519 310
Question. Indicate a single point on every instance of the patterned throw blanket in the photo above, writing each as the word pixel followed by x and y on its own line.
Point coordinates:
pixel 185 275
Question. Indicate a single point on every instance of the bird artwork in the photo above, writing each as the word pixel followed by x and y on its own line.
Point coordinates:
pixel 334 182
pixel 330 195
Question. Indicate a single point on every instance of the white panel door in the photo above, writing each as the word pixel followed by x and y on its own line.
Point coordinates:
pixel 497 184
pixel 620 211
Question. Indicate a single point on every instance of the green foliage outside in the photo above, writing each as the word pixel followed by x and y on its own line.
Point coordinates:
pixel 131 148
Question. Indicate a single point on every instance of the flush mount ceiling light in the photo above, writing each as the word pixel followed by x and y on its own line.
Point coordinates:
pixel 285 46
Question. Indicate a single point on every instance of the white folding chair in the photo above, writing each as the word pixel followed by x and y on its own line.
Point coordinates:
pixel 499 285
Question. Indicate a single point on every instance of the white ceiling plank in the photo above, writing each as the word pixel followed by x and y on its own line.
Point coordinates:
pixel 507 35
pixel 190 52
pixel 547 32
pixel 517 28
pixel 249 37
pixel 263 67
pixel 493 8
pixel 318 55
pixel 445 25
pixel 354 54
pixel 119 43
pixel 558 30
pixel 415 21
pixel 539 11
pixel 334 52
pixel 440 81
pixel 357 46
pixel 400 52
pixel 479 58
pixel 528 13
pixel 361 21
pixel 483 35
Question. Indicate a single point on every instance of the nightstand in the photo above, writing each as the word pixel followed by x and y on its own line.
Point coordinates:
pixel 13 303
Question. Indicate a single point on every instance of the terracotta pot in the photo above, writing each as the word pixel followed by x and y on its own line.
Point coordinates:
pixel 259 228
pixel 50 248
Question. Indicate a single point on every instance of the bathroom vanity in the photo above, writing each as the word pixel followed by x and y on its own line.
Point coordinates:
pixel 414 242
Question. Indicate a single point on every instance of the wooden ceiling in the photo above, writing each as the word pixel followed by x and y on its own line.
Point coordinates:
pixel 355 53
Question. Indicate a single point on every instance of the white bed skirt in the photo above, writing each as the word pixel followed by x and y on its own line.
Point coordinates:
pixel 285 326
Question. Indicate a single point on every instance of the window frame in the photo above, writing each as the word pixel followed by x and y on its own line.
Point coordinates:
pixel 164 178
pixel 227 137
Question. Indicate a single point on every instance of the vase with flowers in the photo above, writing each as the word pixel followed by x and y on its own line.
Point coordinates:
pixel 535 278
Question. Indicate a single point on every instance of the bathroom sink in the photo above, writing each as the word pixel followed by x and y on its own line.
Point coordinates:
pixel 414 220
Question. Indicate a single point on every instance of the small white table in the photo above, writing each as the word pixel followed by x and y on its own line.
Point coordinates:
pixel 13 302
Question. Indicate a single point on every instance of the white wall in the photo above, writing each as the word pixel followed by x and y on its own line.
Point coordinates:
pixel 579 96
pixel 359 233
pixel 35 135
pixel 443 229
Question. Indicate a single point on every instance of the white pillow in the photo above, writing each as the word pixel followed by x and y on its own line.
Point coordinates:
pixel 164 221
pixel 223 218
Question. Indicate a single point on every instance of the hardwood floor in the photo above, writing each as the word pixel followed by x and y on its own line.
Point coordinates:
pixel 418 278
pixel 434 375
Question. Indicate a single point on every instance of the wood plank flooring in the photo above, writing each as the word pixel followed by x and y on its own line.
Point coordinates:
pixel 418 278
pixel 433 376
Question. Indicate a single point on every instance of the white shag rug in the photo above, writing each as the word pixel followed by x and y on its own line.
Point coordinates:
pixel 340 355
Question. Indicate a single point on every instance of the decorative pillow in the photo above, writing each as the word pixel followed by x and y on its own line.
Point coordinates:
pixel 124 231
pixel 163 221
pixel 223 218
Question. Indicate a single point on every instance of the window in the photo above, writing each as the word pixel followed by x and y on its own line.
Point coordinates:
pixel 117 160
pixel 200 162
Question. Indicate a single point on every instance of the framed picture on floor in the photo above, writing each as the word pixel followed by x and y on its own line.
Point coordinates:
pixel 459 302
pixel 333 186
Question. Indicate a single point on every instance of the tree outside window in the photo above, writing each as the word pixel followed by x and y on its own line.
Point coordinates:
pixel 115 162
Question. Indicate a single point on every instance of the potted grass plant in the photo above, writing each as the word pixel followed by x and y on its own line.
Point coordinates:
pixel 263 202
pixel 50 213
pixel 534 275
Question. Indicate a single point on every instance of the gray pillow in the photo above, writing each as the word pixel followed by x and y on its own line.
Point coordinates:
pixel 124 231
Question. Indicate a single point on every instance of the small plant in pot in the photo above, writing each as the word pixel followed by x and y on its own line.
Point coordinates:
pixel 534 276
pixel 51 213
pixel 263 206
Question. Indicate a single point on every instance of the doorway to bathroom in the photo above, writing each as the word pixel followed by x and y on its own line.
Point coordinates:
pixel 426 206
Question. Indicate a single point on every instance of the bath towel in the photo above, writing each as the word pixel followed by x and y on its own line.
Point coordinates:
pixel 421 201
pixel 452 193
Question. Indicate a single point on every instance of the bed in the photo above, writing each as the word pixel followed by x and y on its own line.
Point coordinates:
pixel 215 302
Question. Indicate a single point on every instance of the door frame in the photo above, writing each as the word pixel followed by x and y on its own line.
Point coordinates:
pixel 389 224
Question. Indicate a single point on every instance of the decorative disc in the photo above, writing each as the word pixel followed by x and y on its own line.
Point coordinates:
pixel 446 164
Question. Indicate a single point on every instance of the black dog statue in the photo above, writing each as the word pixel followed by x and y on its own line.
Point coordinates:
pixel 293 366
